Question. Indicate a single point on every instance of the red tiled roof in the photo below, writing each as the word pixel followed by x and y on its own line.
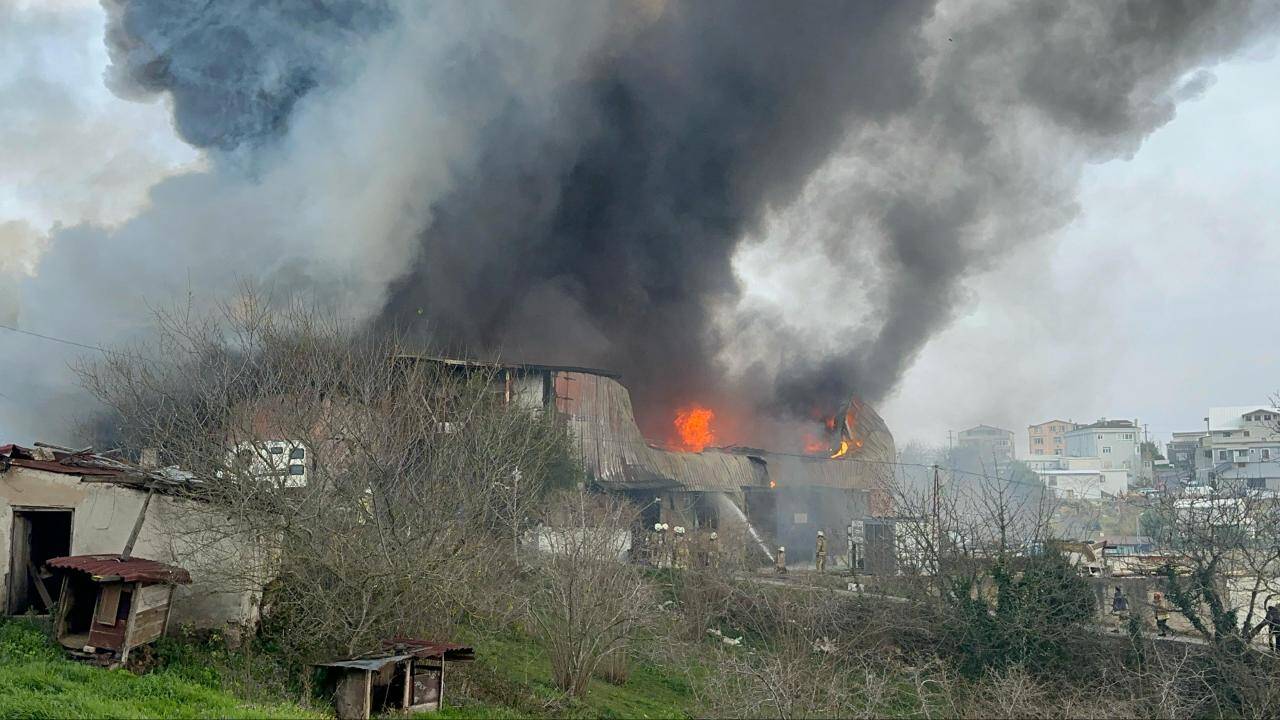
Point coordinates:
pixel 131 570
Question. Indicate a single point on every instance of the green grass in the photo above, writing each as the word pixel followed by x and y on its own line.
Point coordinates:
pixel 38 681
pixel 511 678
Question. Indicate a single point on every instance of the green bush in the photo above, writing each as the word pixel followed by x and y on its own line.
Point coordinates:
pixel 1035 618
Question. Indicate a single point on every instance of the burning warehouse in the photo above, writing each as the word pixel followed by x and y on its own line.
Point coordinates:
pixel 779 498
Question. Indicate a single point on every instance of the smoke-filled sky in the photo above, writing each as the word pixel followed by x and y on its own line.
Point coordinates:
pixel 964 211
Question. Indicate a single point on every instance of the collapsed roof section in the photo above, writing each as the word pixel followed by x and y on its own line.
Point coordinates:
pixel 91 466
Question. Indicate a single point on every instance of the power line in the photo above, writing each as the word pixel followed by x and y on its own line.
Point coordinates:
pixel 53 339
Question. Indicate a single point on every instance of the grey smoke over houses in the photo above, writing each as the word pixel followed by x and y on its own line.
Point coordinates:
pixel 597 183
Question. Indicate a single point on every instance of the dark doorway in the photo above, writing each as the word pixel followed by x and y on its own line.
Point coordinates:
pixel 38 535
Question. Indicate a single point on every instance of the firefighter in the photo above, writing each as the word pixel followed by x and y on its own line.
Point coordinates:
pixel 680 558
pixel 1161 609
pixel 655 545
pixel 780 561
pixel 821 552
pixel 713 550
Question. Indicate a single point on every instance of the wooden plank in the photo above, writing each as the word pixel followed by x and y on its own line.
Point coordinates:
pixel 352 697
pixel 64 606
pixel 147 626
pixel 151 596
pixel 19 556
pixel 39 583
pixel 407 699
pixel 108 605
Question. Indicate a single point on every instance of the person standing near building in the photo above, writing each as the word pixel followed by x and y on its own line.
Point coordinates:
pixel 1273 627
pixel 680 559
pixel 780 561
pixel 820 552
pixel 1119 608
pixel 1161 610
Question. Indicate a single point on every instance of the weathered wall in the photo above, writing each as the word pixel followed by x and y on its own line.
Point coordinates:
pixel 104 515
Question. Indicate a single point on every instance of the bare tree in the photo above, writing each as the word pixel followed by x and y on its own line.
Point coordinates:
pixel 589 605
pixel 364 482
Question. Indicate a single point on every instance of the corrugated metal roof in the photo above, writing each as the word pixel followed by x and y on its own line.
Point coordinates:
pixel 26 457
pixel 431 649
pixel 87 464
pixel 371 663
pixel 497 365
pixel 102 567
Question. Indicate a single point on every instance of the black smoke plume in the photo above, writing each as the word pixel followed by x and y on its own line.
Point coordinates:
pixel 607 163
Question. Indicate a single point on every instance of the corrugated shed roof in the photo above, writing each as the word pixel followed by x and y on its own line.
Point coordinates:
pixel 101 567
pixel 431 649
pixel 367 663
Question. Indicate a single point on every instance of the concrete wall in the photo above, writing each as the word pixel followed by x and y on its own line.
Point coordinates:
pixel 103 516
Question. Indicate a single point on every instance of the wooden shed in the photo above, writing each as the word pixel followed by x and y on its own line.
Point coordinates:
pixel 109 605
pixel 408 675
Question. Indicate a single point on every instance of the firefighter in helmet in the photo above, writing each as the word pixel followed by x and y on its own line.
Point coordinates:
pixel 820 552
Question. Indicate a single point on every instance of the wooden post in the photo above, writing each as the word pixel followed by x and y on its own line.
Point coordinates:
pixel 137 524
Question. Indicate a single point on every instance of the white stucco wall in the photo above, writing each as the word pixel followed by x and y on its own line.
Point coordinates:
pixel 103 516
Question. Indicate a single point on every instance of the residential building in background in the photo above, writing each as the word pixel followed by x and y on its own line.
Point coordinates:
pixel 1115 442
pixel 1049 438
pixel 1239 441
pixel 1079 478
pixel 1181 452
pixel 989 444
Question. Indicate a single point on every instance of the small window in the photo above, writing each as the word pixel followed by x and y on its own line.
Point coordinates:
pixel 1246 433
pixel 1270 417
pixel 1208 454
pixel 297 470
pixel 1257 483
pixel 1099 437
pixel 1266 453
pixel 1128 436
pixel 1039 441
pixel 1106 449
pixel 1222 454
pixel 297 453
pixel 275 450
pixel 1226 434
pixel 1242 453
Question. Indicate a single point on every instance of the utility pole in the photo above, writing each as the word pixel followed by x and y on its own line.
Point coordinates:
pixel 937 535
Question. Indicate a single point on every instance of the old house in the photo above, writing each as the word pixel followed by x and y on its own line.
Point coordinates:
pixel 56 503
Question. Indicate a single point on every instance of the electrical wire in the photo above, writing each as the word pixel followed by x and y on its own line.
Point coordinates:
pixel 52 338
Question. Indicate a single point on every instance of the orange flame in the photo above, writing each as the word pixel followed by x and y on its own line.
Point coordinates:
pixel 844 448
pixel 693 425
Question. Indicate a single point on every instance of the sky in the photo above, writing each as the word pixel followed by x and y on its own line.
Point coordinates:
pixel 1154 303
